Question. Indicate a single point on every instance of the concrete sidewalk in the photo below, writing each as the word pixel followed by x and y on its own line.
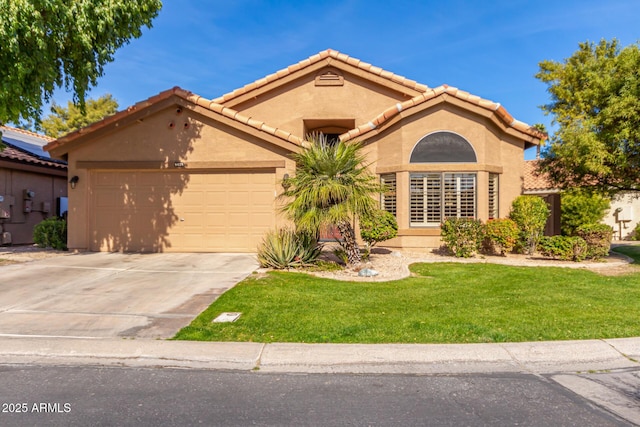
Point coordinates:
pixel 530 357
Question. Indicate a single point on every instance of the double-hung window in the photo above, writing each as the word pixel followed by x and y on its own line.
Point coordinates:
pixel 435 197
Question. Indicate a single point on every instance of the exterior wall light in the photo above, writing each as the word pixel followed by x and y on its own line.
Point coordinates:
pixel 73 181
pixel 285 182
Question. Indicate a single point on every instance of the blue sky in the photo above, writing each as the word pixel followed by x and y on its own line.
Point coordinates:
pixel 489 48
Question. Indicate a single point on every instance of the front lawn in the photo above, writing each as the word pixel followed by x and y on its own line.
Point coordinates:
pixel 442 303
pixel 630 251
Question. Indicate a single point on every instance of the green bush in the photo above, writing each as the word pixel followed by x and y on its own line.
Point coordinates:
pixel 636 232
pixel 284 248
pixel 378 227
pixel 566 248
pixel 598 238
pixel 51 233
pixel 500 235
pixel 579 208
pixel 462 236
pixel 530 213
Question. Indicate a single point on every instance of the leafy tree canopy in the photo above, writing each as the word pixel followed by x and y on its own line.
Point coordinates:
pixel 595 101
pixel 56 43
pixel 63 120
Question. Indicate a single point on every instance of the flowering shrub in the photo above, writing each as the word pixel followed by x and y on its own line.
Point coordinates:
pixel 500 235
pixel 462 236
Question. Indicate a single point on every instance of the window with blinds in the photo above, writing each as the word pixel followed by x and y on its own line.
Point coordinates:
pixel 388 199
pixel 437 196
pixel 493 196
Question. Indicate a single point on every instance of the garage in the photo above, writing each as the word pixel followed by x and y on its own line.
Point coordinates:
pixel 174 211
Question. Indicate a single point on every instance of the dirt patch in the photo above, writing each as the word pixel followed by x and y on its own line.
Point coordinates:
pixel 26 253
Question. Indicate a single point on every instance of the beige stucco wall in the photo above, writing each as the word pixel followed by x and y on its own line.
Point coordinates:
pixel 202 144
pixel 290 105
pixel 625 220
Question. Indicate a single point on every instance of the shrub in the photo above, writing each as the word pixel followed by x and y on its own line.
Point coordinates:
pixel 636 232
pixel 378 227
pixel 579 208
pixel 500 235
pixel 598 238
pixel 51 233
pixel 462 236
pixel 284 248
pixel 566 248
pixel 530 213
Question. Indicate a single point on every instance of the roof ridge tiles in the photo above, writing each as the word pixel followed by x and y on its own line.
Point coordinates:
pixel 313 59
pixel 431 93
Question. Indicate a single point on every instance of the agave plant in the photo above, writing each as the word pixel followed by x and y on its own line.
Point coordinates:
pixel 284 248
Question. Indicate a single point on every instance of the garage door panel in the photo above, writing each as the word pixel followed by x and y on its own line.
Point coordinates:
pixel 154 211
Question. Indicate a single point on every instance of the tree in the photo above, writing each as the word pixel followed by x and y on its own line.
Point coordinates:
pixel 53 44
pixel 332 186
pixel 595 101
pixel 63 120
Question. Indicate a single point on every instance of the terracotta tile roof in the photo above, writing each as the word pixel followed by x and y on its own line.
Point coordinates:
pixel 534 182
pixel 217 105
pixel 328 56
pixel 430 94
pixel 184 94
pixel 14 153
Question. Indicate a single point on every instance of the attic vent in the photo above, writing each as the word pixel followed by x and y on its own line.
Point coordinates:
pixel 329 78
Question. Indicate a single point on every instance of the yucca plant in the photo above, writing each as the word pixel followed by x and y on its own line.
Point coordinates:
pixel 284 248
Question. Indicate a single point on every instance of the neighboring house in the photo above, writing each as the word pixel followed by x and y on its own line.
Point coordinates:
pixel 179 172
pixel 622 216
pixel 31 184
pixel 538 185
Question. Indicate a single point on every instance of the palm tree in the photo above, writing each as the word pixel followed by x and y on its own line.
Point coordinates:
pixel 332 186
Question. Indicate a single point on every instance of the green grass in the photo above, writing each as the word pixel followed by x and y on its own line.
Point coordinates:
pixel 630 251
pixel 442 303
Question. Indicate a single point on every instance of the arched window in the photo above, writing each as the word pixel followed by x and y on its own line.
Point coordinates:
pixel 443 147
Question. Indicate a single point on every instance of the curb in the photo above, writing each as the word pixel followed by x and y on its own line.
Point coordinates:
pixel 530 357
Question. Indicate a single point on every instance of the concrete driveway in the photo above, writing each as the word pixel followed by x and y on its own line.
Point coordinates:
pixel 113 294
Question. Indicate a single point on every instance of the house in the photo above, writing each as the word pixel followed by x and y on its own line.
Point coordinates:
pixel 180 172
pixel 31 184
pixel 623 214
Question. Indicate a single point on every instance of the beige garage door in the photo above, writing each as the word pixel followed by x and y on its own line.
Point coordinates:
pixel 163 212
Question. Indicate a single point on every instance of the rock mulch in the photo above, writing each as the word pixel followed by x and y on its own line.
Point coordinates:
pixel 394 265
